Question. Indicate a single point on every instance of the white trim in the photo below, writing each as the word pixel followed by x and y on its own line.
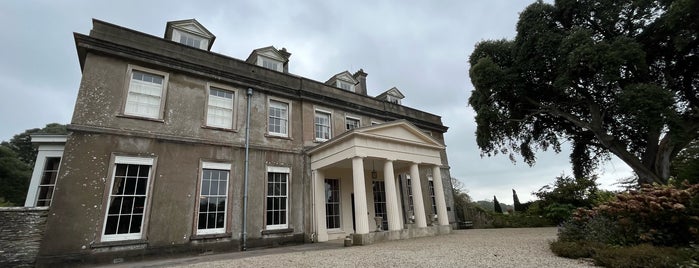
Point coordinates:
pixel 234 101
pixel 44 152
pixel 129 160
pixel 163 90
pixel 260 62
pixel 275 169
pixel 359 120
pixel 214 165
pixel 330 123
pixel 133 160
pixel 288 117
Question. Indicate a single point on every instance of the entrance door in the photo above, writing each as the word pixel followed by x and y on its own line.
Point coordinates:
pixel 354 220
pixel 380 203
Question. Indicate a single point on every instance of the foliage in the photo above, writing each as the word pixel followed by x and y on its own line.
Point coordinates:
pixel 660 215
pixel 609 77
pixel 520 220
pixel 14 177
pixel 22 143
pixel 488 205
pixel 5 203
pixel 496 205
pixel 461 199
pixel 566 193
pixel 644 255
pixel 685 167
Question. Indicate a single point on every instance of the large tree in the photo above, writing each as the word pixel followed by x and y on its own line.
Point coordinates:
pixel 22 145
pixel 608 76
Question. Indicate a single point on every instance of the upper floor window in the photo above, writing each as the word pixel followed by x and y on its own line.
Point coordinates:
pixel 393 99
pixel 351 123
pixel 145 94
pixel 220 108
pixel 190 39
pixel 278 118
pixel 322 126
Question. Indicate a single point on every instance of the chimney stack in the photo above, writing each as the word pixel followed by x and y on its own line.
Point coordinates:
pixel 361 77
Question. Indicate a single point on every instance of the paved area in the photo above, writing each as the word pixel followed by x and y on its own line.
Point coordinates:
pixel 525 247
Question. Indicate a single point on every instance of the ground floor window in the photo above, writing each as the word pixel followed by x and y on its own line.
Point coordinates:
pixel 127 198
pixel 277 198
pixel 48 181
pixel 332 204
pixel 213 198
pixel 430 183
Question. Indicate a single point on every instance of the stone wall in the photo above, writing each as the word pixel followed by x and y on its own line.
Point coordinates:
pixel 21 230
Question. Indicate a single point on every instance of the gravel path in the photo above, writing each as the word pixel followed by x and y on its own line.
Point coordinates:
pixel 524 247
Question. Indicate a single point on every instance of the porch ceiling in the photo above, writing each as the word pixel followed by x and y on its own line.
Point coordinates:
pixel 398 140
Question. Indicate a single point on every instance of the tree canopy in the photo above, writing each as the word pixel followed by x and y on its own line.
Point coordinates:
pixel 606 76
pixel 22 143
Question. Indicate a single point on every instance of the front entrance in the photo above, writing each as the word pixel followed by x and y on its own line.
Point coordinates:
pixel 380 203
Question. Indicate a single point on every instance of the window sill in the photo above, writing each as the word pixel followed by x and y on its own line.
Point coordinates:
pixel 278 137
pixel 320 140
pixel 210 236
pixel 141 118
pixel 220 129
pixel 278 231
pixel 138 242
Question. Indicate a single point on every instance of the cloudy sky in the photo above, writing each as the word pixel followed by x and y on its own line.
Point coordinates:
pixel 420 47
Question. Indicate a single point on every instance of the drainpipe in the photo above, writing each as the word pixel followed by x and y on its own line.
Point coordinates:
pixel 244 235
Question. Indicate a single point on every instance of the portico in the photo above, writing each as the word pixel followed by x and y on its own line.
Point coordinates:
pixel 378 173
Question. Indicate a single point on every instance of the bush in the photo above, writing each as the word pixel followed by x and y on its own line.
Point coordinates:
pixel 644 255
pixel 660 215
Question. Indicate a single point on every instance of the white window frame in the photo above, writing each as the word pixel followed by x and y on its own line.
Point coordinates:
pixel 433 198
pixel 132 95
pixel 220 167
pixel 393 99
pixel 210 107
pixel 348 118
pixel 344 85
pixel 282 170
pixel 339 204
pixel 288 117
pixel 265 61
pixel 178 34
pixel 41 181
pixel 315 125
pixel 128 160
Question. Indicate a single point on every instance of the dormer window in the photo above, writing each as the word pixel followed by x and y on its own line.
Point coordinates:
pixel 392 99
pixel 270 58
pixel 392 95
pixel 269 63
pixel 345 85
pixel 190 33
pixel 190 40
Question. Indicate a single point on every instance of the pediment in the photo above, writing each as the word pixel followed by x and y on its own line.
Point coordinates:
pixel 269 52
pixel 395 93
pixel 400 131
pixel 191 26
pixel 347 77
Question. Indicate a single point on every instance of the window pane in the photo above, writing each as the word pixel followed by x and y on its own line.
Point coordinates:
pixel 212 200
pixel 127 201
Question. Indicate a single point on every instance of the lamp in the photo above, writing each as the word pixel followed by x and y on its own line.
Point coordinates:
pixel 374 175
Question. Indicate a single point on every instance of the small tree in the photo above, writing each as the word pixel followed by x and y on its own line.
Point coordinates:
pixel 496 205
pixel 518 205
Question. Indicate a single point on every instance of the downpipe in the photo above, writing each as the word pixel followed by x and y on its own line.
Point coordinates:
pixel 244 235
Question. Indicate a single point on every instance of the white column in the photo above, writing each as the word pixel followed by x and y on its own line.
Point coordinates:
pixel 418 204
pixel 321 230
pixel 360 209
pixel 439 196
pixel 391 197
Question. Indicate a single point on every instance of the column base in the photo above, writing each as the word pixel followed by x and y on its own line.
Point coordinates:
pixel 377 237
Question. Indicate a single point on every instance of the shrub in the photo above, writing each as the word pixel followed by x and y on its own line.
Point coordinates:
pixel 644 255
pixel 574 250
pixel 661 215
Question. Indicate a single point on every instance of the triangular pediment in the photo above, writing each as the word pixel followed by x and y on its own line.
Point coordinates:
pixel 343 76
pixel 190 26
pixel 269 52
pixel 402 131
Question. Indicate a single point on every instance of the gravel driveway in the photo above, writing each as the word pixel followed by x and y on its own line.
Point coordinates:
pixel 525 247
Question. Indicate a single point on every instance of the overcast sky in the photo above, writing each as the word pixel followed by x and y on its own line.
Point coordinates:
pixel 420 47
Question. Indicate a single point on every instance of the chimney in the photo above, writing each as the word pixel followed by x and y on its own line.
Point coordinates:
pixel 361 77
pixel 286 56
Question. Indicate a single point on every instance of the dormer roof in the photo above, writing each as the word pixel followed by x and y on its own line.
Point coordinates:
pixel 190 26
pixel 343 76
pixel 281 56
pixel 394 92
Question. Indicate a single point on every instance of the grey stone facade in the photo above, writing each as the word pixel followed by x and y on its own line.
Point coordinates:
pixel 179 140
pixel 21 231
